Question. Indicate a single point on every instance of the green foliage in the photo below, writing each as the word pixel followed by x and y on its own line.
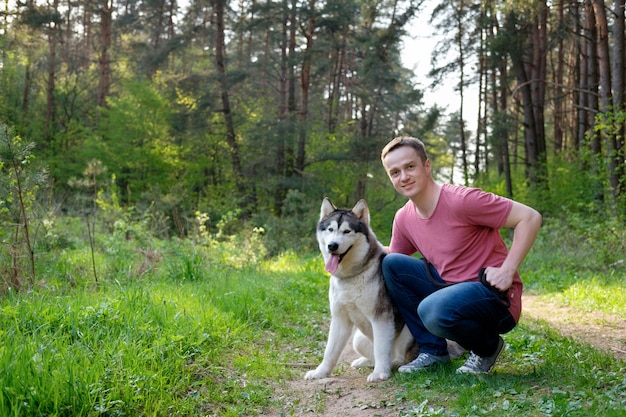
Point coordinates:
pixel 234 243
pixel 90 183
pixel 611 165
pixel 19 184
pixel 294 230
pixel 136 143
pixel 582 259
pixel 161 134
pixel 15 159
pixel 573 190
pixel 11 78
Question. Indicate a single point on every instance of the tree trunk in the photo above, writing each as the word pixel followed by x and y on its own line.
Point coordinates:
pixel 86 40
pixel 606 96
pixel 305 84
pixel 291 99
pixel 504 98
pixel 50 103
pixel 480 119
pixel 590 99
pixel 488 90
pixel 284 98
pixel 574 77
pixel 459 38
pixel 538 87
pixel 68 31
pixel 604 63
pixel 104 84
pixel 335 77
pixel 587 63
pixel 531 84
pixel 159 9
pixel 619 67
pixel 26 94
pixel 559 114
pixel 220 62
pixel 593 82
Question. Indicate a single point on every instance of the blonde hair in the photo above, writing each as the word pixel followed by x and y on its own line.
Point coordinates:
pixel 400 141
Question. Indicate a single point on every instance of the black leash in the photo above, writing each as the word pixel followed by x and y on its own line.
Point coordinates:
pixel 502 295
pixel 436 284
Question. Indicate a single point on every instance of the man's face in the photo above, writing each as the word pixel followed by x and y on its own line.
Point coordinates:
pixel 406 171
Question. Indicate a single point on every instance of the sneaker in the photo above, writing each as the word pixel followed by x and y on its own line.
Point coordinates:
pixel 481 364
pixel 423 361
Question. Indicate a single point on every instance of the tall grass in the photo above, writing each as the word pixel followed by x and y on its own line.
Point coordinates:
pixel 580 263
pixel 112 351
pixel 188 338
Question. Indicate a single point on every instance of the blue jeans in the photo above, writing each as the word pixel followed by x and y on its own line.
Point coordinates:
pixel 467 313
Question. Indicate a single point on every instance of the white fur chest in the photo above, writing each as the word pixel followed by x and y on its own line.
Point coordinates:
pixel 353 296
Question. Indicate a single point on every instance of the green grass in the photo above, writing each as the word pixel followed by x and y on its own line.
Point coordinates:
pixel 188 333
pixel 582 267
pixel 206 344
pixel 539 374
pixel 113 351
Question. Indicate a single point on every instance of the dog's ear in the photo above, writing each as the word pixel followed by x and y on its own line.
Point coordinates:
pixel 361 211
pixel 327 208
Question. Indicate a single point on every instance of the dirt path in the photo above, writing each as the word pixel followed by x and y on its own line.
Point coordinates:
pixel 346 395
pixel 602 331
pixel 350 395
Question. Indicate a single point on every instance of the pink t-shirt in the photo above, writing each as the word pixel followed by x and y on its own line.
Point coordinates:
pixel 460 237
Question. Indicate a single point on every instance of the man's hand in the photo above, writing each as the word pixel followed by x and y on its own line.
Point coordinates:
pixel 500 278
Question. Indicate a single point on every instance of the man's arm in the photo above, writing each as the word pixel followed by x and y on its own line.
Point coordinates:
pixel 526 221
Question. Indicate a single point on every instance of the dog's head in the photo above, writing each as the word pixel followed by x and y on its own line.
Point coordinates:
pixel 343 234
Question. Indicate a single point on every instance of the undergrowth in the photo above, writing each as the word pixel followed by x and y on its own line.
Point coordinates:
pixel 580 263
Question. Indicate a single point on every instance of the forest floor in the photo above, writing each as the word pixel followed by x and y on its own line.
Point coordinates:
pixel 350 395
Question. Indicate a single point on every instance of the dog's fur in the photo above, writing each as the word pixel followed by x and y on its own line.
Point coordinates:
pixel 358 297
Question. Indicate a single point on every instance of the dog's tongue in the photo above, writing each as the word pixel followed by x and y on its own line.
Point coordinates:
pixel 332 263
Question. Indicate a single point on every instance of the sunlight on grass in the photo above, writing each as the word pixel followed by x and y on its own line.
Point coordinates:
pixel 293 262
pixel 595 295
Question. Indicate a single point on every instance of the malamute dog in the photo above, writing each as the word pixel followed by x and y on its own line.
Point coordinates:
pixel 358 298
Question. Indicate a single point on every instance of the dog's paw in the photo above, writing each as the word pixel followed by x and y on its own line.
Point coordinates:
pixel 362 362
pixel 315 374
pixel 378 376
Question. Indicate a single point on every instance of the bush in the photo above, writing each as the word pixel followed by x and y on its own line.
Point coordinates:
pixel 573 249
